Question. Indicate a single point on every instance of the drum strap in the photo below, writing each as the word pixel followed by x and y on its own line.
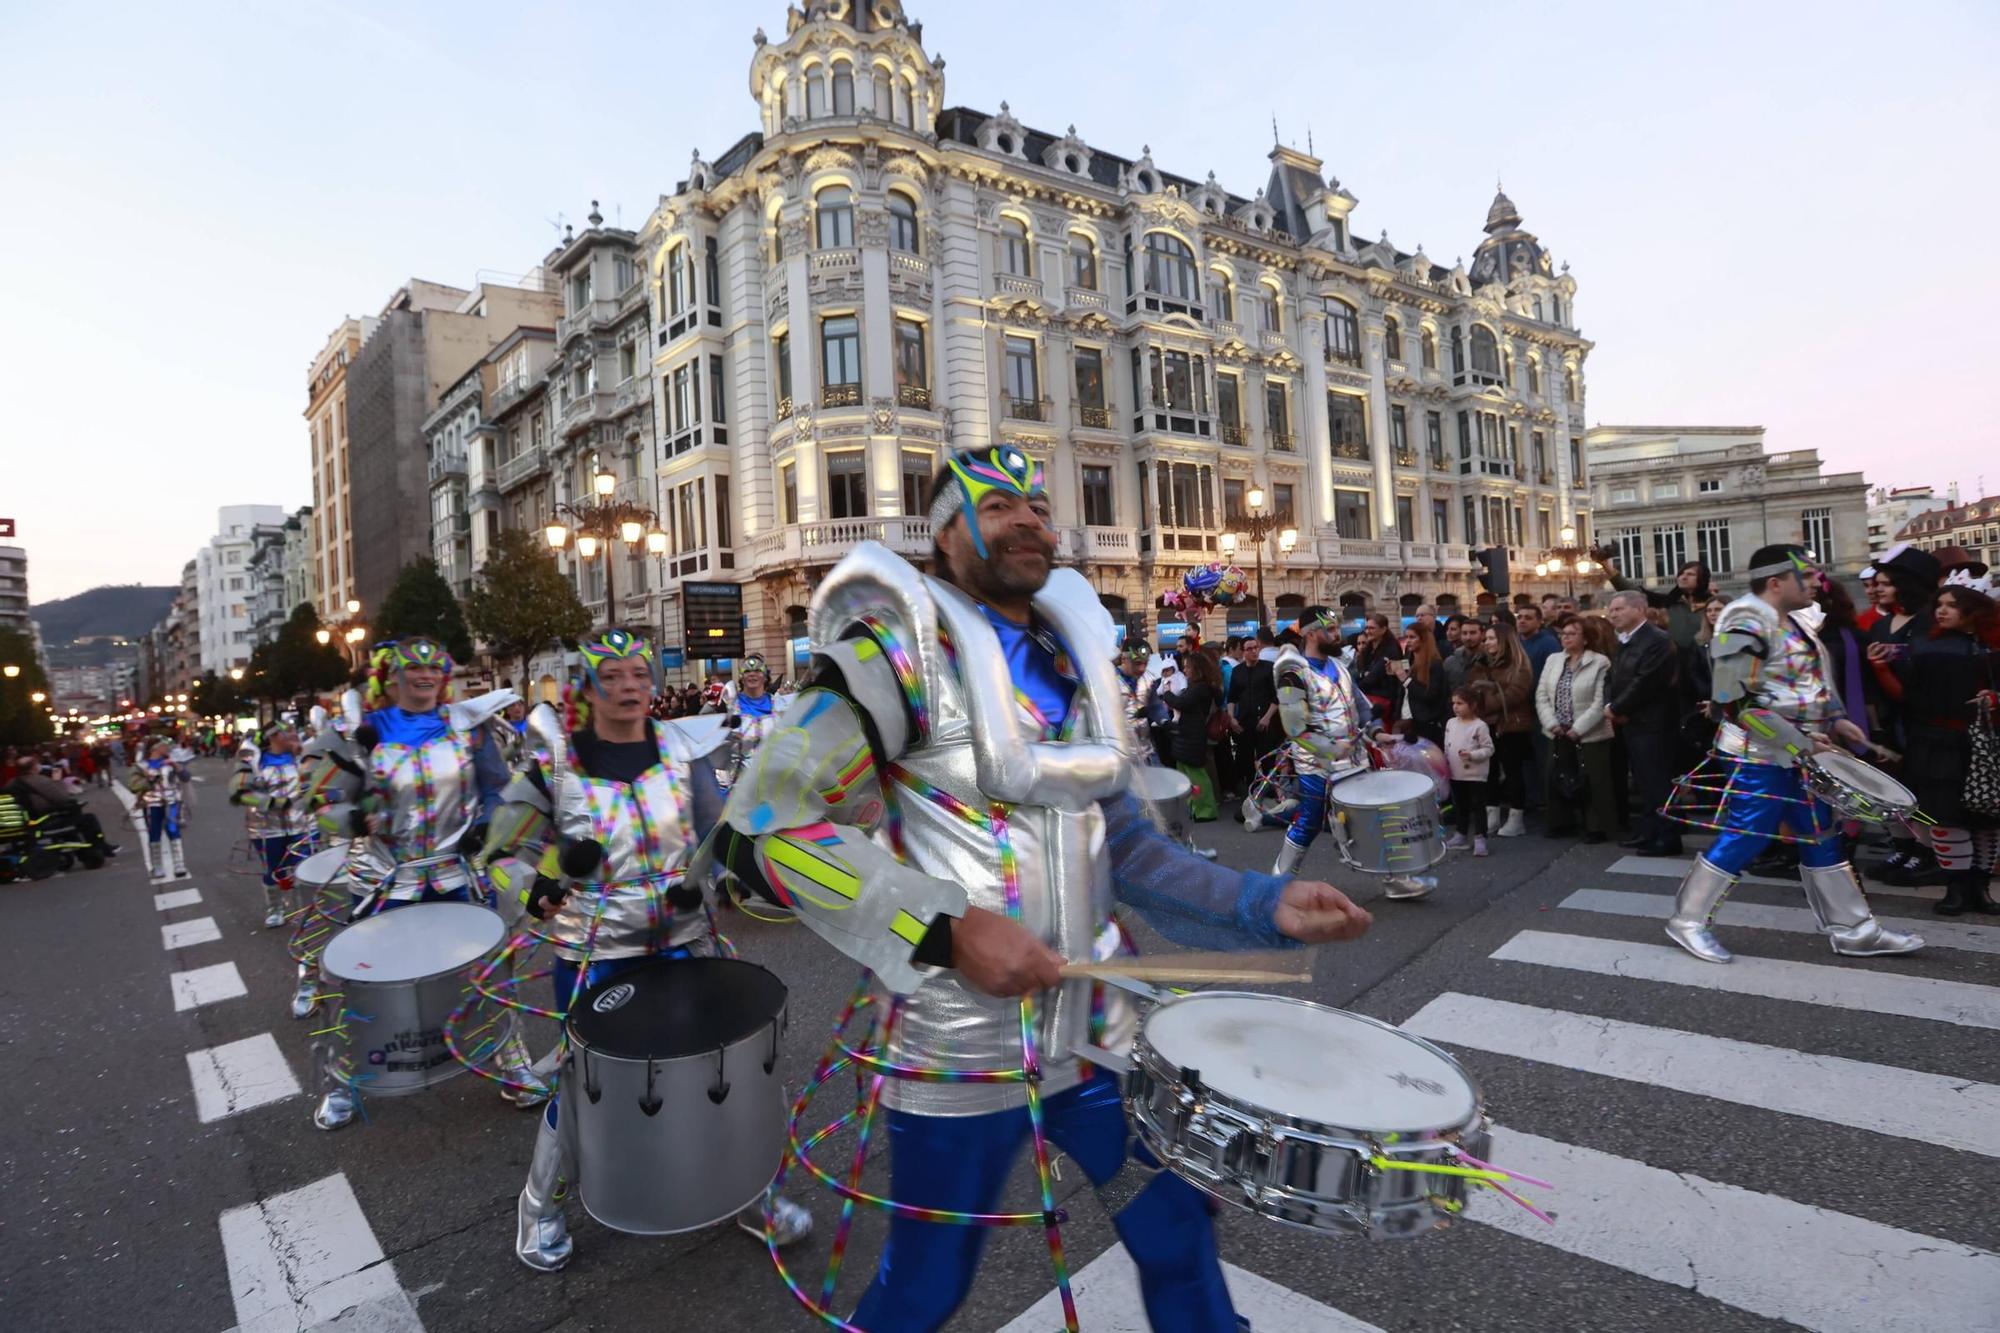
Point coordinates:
pixel 1126 1183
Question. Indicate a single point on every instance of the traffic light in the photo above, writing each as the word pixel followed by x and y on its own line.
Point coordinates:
pixel 1493 571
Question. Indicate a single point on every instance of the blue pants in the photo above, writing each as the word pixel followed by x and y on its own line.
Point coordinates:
pixel 962 1163
pixel 281 853
pixel 569 978
pixel 1763 797
pixel 1310 817
pixel 163 821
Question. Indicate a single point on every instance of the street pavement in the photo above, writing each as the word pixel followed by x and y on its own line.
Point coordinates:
pixel 1791 1140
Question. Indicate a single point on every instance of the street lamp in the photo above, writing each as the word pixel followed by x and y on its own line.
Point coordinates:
pixel 598 523
pixel 10 671
pixel 38 697
pixel 1254 525
pixel 1566 558
pixel 236 673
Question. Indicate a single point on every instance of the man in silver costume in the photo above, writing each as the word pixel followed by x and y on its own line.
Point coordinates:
pixel 948 804
pixel 1772 683
pixel 420 797
pixel 595 836
pixel 1325 718
pixel 268 785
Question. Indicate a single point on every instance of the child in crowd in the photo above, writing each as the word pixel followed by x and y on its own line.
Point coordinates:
pixel 1468 746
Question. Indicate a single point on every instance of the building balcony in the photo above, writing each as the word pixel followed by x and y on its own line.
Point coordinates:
pixel 1028 409
pixel 1107 544
pixel 785 408
pixel 633 392
pixel 1093 418
pixel 1184 543
pixel 585 408
pixel 914 395
pixel 902 261
pixel 1018 284
pixel 1274 341
pixel 835 261
pixel 529 463
pixel 1354 449
pixel 448 465
pixel 840 395
pixel 1406 458
pixel 1234 434
pixel 826 542
pixel 506 394
pixel 1084 298
pixel 1226 329
pixel 591 315
pixel 1283 441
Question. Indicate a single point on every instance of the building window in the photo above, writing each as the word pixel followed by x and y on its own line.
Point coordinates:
pixel 1169 266
pixel 1281 502
pixel 1082 262
pixel 1392 338
pixel 1576 461
pixel 718 397
pixel 1180 381
pixel 815 92
pixel 1429 344
pixel 1090 380
pixel 781 358
pixel 1014 253
pixel 1099 509
pixel 840 350
pixel 1670 548
pixel 1222 296
pixel 833 217
pixel 1711 544
pixel 1232 501
pixel 1347 425
pixel 1440 520
pixel 1229 407
pixel 1457 350
pixel 1630 544
pixel 713 274
pixel 1535 377
pixel 1816 533
pixel 628 361
pixel 911 373
pixel 1023 384
pixel 1541 447
pixel 1485 353
pixel 1708 485
pixel 788 493
pixel 917 470
pixel 1343 334
pixel 1399 432
pixel 1278 413
pixel 680 281
pixel 1350 514
pixel 722 510
pixel 1434 438
pixel 1406 517
pixel 1274 311
pixel 1187 495
pixel 847 484
pixel 1624 495
pixel 843 90
pixel 579 289
pixel 902 222
pixel 1470 518
pixel 1666 490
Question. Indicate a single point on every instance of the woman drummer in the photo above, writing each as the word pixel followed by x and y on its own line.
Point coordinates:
pixel 597 835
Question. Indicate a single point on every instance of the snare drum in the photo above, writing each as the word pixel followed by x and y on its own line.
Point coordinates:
pixel 1290 1109
pixel 1386 822
pixel 672 1077
pixel 1855 787
pixel 400 974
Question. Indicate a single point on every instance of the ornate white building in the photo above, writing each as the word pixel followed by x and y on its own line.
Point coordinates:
pixel 873 277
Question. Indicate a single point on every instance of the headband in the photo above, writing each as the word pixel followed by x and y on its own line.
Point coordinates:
pixel 1793 563
pixel 976 473
pixel 752 662
pixel 402 654
pixel 611 646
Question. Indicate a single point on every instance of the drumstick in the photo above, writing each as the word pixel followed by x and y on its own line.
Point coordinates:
pixel 1282 968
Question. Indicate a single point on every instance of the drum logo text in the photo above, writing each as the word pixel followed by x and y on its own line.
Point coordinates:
pixel 612 998
pixel 1430 1085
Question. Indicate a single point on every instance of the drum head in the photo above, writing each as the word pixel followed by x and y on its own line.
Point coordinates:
pixel 1360 1074
pixel 1388 786
pixel 322 868
pixel 1863 777
pixel 673 1007
pixel 411 943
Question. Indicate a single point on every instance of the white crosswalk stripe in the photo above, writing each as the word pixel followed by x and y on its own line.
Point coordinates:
pixel 167 902
pixel 206 985
pixel 1910 1104
pixel 1798 920
pixel 239 1076
pixel 1107 1301
pixel 184 934
pixel 307 1259
pixel 1843 986
pixel 1676 867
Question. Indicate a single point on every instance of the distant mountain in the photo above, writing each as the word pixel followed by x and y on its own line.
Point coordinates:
pixel 127 609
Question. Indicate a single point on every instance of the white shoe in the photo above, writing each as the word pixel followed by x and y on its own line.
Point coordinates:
pixel 1516 825
pixel 274 918
pixel 790 1222
pixel 1479 846
pixel 1456 842
pixel 306 998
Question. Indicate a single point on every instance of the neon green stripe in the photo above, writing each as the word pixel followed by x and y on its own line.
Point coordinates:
pixel 907 927
pixel 820 871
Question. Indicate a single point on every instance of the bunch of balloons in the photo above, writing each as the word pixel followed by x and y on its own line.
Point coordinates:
pixel 1203 588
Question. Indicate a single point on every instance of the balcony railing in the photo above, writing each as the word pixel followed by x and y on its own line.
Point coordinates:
pixel 1235 435
pixel 1406 458
pixel 1017 284
pixel 450 465
pixel 1350 449
pixel 826 542
pixel 831 261
pixel 1284 441
pixel 914 395
pixel 506 394
pixel 1109 543
pixel 530 462
pixel 1028 409
pixel 1226 328
pixel 1085 298
pixel 1096 418
pixel 840 395
pixel 909 263
pixel 784 407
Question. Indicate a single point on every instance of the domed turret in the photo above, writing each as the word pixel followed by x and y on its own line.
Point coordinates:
pixel 1508 252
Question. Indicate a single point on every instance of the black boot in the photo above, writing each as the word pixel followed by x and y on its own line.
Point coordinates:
pixel 1979 895
pixel 1959 888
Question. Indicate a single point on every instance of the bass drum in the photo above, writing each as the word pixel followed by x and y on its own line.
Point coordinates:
pixel 1386 822
pixel 400 975
pixel 672 1076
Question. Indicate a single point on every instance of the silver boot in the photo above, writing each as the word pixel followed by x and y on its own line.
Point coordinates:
pixel 161 861
pixel 1835 895
pixel 336 1108
pixel 274 907
pixel 1701 893
pixel 306 998
pixel 541 1234
pixel 1408 888
pixel 1290 857
pixel 790 1221
pixel 526 1087
pixel 180 860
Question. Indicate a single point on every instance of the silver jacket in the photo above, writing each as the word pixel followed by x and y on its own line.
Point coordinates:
pixel 1765 659
pixel 430 797
pixel 1322 720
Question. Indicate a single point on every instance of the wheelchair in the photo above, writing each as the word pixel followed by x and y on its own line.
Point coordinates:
pixel 37 846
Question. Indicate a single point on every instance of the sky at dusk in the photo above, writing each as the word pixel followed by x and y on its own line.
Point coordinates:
pixel 1777 214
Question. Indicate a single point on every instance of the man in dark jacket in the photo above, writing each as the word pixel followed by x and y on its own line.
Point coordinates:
pixel 1640 698
pixel 1257 703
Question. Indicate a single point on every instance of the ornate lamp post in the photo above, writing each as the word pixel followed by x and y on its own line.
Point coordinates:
pixel 1566 558
pixel 597 523
pixel 349 630
pixel 1254 526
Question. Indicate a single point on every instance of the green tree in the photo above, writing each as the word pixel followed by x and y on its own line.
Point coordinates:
pixel 302 664
pixel 216 695
pixel 522 602
pixel 22 720
pixel 421 602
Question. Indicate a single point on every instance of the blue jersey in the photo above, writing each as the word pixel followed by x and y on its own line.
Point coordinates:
pixel 1039 666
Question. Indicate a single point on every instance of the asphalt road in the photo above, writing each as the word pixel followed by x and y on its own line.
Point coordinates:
pixel 1792 1140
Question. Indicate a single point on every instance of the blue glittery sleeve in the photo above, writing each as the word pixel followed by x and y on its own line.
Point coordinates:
pixel 1192 902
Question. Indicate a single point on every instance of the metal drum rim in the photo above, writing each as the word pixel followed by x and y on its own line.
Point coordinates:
pixel 326 965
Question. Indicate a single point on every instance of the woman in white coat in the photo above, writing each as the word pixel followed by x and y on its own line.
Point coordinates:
pixel 1569 703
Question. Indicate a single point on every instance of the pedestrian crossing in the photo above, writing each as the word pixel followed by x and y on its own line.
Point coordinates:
pixel 1532 1012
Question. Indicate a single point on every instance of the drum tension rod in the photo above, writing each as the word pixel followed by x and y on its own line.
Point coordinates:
pixel 651 1103
pixel 720 1091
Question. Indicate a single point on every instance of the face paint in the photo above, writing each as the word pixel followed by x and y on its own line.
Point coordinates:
pixel 977 474
pixel 614 645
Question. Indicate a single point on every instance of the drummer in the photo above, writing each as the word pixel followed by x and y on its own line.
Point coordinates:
pixel 1774 690
pixel 1005 758
pixel 1325 717
pixel 629 800
pixel 267 784
pixel 423 798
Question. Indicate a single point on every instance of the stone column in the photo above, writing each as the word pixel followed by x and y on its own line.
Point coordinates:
pixel 1379 449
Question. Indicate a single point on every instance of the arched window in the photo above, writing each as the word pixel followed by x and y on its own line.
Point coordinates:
pixel 1170 266
pixel 1538 307
pixel 1222 297
pixel 1457 350
pixel 1082 262
pixel 1392 338
pixel 1534 377
pixel 883 89
pixel 833 217
pixel 906 104
pixel 1485 351
pixel 680 280
pixel 843 90
pixel 1343 333
pixel 777 240
pixel 902 222
pixel 815 92
pixel 1014 252
pixel 1430 350
pixel 1274 310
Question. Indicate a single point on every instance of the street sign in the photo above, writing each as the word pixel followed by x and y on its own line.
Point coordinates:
pixel 6 527
pixel 713 614
pixel 672 659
